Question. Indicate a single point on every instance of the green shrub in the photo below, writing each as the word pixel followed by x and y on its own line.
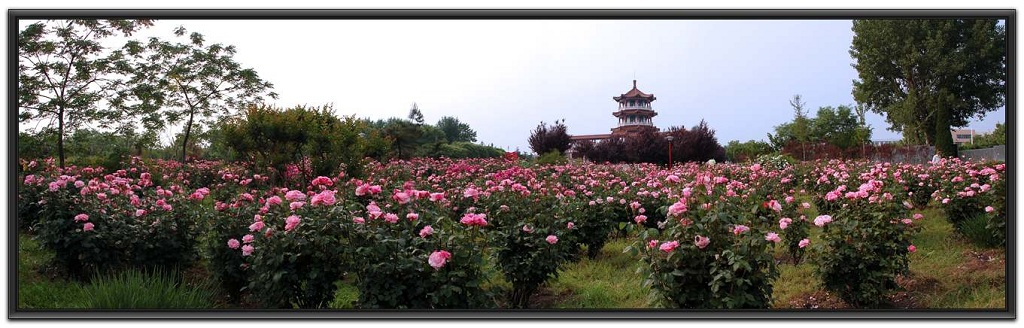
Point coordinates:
pixel 551 158
pixel 976 230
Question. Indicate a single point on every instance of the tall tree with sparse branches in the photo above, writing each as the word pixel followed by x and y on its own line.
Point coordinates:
pixel 64 72
pixel 190 82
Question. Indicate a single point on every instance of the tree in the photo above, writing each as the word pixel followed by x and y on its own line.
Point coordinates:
pixel 837 126
pixel 929 75
pixel 190 82
pixel 276 138
pixel 63 71
pixel 545 139
pixel 456 131
pixel 994 138
pixel 404 136
pixel 743 151
pixel 415 115
pixel 801 125
pixel 701 144
pixel 647 146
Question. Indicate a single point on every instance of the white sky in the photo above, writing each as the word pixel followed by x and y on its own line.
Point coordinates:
pixel 503 77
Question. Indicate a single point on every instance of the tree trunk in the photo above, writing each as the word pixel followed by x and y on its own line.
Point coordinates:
pixel 944 145
pixel 60 137
pixel 184 141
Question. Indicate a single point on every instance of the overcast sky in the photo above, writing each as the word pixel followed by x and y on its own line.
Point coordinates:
pixel 504 77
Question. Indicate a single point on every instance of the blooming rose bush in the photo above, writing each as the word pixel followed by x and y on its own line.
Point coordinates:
pixel 531 237
pixel 97 223
pixel 298 253
pixel 712 252
pixel 966 190
pixel 866 241
pixel 410 252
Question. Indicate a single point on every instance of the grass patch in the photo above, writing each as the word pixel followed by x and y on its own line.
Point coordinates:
pixel 35 289
pixel 794 282
pixel 136 289
pixel 948 271
pixel 346 296
pixel 40 288
pixel 608 282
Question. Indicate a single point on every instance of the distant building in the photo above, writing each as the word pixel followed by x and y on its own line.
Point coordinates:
pixel 634 115
pixel 963 136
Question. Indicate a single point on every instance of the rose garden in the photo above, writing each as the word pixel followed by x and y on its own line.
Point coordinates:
pixel 457 234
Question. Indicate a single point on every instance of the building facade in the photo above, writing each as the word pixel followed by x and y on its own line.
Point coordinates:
pixel 963 136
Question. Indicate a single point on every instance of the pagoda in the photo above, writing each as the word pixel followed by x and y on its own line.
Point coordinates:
pixel 635 113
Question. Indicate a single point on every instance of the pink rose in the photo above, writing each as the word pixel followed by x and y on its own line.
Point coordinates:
pixel 571 225
pixel 437 196
pixel 359 220
pixel 362 189
pixel 527 228
pixel 426 231
pixel 256 226
pixel 88 226
pixel 322 181
pixel 804 242
pixel 140 212
pixel 911 248
pixel 472 219
pixel 652 243
pixel 640 219
pixel 822 220
pixel 391 218
pixel 551 239
pixel 701 241
pixel 294 195
pixel 438 259
pixel 785 222
pixel 772 237
pixel 412 216
pixel 325 198
pixel 273 200
pixel 668 247
pixel 989 209
pixel 739 228
pixel 81 217
pixel 291 222
pixel 677 209
pixel 247 250
pixel 233 243
pixel 401 197
pixel 296 205
pixel 248 239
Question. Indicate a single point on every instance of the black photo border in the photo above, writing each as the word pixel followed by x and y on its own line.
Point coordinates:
pixel 1009 15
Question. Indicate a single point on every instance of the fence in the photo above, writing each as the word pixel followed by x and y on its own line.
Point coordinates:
pixel 997 153
pixel 913 154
